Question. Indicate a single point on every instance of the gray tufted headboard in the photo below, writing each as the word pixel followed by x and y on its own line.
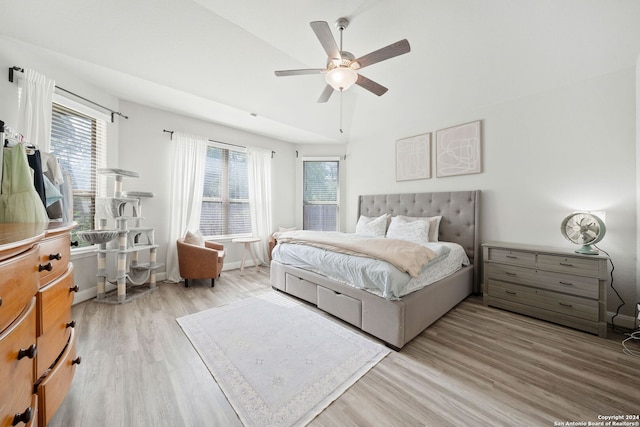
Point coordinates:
pixel 460 212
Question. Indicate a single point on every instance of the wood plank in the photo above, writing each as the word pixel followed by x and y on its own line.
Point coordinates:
pixel 475 366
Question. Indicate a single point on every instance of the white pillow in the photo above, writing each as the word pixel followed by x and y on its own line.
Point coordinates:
pixel 434 224
pixel 375 227
pixel 194 238
pixel 416 231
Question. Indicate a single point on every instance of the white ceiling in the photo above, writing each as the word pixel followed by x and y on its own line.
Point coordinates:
pixel 214 59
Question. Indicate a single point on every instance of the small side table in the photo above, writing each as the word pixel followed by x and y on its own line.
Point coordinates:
pixel 247 248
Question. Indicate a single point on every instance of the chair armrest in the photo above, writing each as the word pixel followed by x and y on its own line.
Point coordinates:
pixel 214 245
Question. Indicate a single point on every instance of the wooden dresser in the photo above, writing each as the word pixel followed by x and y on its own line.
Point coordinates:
pixel 37 343
pixel 552 284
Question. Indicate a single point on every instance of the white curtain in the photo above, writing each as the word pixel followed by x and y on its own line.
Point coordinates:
pixel 189 154
pixel 34 108
pixel 260 198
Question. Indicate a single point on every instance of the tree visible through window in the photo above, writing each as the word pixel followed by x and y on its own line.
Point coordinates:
pixel 320 195
pixel 225 202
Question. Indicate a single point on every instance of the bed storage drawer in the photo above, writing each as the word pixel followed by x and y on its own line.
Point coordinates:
pixel 301 288
pixel 340 305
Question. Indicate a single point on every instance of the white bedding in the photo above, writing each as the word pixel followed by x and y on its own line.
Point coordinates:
pixel 375 276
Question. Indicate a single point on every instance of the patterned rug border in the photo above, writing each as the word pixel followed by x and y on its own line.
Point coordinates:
pixel 368 353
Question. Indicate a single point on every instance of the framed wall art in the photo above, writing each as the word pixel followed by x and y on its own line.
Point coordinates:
pixel 413 157
pixel 459 150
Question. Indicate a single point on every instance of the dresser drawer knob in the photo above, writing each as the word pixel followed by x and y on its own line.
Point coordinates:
pixel 28 352
pixel 57 257
pixel 512 257
pixel 509 273
pixel 74 243
pixel 566 283
pixel 47 267
pixel 510 292
pixel 0 301
pixel 76 361
pixel 566 264
pixel 564 304
pixel 74 288
pixel 24 417
pixel 71 324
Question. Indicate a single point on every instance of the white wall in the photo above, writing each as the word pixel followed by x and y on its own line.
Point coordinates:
pixel 565 149
pixel 145 148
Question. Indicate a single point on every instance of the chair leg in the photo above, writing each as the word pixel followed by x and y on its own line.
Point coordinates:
pixel 186 283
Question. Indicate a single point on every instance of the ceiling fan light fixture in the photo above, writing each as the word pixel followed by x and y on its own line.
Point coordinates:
pixel 341 78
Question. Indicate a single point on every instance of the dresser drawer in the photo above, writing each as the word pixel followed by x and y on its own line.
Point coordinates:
pixel 511 273
pixel 52 389
pixel 18 285
pixel 17 352
pixel 340 305
pixel 582 308
pixel 55 253
pixel 570 265
pixel 527 259
pixel 54 300
pixel 301 288
pixel 571 284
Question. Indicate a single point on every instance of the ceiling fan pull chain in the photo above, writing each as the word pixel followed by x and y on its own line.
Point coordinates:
pixel 341 110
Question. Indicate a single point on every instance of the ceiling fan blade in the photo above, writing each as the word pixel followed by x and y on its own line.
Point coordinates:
pixel 395 49
pixel 323 33
pixel 301 72
pixel 326 94
pixel 370 85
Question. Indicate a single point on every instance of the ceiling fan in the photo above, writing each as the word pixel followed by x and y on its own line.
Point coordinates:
pixel 342 67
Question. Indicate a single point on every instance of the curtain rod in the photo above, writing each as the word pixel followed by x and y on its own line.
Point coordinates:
pixel 218 142
pixel 113 113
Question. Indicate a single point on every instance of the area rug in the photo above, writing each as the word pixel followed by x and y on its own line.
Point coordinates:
pixel 278 362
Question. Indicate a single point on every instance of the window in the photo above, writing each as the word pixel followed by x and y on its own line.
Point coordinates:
pixel 77 141
pixel 320 195
pixel 225 201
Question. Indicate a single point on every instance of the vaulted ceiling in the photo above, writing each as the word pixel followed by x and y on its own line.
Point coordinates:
pixel 215 59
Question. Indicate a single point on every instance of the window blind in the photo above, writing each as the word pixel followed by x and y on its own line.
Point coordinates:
pixel 320 195
pixel 78 141
pixel 225 201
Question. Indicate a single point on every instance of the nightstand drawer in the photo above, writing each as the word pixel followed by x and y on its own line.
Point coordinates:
pixel 570 265
pixel 512 257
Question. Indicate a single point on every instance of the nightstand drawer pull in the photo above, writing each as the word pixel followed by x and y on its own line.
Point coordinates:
pixel 509 273
pixel 566 264
pixel 512 256
pixel 564 304
pixel 566 283
pixel 510 292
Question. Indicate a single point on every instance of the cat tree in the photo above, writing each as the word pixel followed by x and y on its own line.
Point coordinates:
pixel 119 233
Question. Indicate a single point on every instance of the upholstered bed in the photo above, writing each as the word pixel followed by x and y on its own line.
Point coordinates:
pixel 397 321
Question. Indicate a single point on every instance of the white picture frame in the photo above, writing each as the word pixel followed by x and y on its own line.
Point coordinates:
pixel 413 157
pixel 459 150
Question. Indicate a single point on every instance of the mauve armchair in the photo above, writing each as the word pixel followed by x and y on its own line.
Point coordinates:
pixel 200 262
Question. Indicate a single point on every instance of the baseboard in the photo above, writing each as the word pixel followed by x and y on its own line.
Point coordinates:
pixel 622 321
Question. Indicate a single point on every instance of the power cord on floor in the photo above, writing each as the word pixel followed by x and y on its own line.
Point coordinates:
pixel 622 303
pixel 633 336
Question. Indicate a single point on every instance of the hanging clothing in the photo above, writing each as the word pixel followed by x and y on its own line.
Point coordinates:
pixel 19 201
pixel 35 162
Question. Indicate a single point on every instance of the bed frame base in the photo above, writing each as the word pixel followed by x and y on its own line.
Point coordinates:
pixel 394 322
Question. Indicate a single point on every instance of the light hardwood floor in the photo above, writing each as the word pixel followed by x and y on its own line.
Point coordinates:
pixel 476 366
